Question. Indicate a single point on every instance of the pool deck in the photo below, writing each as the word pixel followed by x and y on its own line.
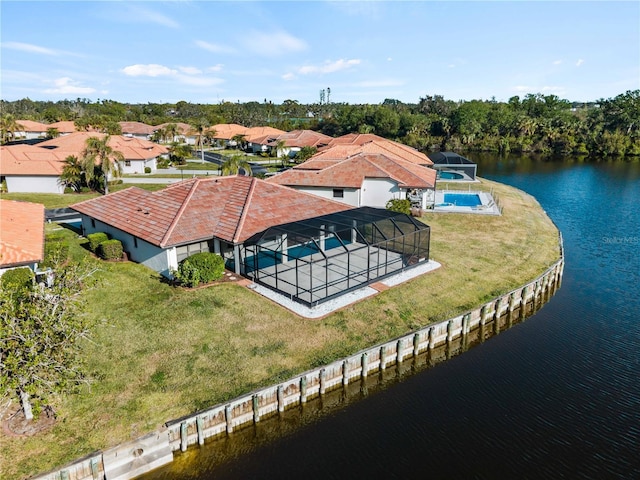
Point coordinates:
pixel 488 206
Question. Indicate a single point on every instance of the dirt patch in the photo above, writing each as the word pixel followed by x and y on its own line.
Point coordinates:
pixel 14 424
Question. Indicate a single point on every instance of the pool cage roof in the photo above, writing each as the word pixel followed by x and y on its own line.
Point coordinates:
pixel 313 260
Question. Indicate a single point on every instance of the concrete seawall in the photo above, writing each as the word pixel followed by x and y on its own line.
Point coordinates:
pixel 135 458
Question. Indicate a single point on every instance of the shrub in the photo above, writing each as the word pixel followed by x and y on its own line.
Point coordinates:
pixel 200 268
pixel 399 205
pixel 17 278
pixel 56 251
pixel 110 250
pixel 147 169
pixel 95 239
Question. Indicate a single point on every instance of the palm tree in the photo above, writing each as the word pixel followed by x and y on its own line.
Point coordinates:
pixel 101 160
pixel 200 126
pixel 233 165
pixel 72 173
pixel 53 132
pixel 8 127
pixel 179 152
pixel 240 141
pixel 170 131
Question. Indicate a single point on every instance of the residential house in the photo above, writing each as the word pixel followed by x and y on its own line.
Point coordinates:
pixel 184 132
pixel 258 138
pixel 65 127
pixel 306 248
pixel 22 239
pixel 452 166
pixel 294 141
pixel 31 169
pixel 138 130
pixel 138 154
pixel 30 130
pixel 225 133
pixel 366 175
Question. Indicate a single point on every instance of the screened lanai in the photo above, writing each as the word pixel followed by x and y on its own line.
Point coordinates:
pixel 314 260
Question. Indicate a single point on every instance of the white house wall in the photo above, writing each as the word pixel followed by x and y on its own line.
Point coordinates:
pixel 34 184
pixel 137 166
pixel 350 195
pixel 376 192
pixel 153 257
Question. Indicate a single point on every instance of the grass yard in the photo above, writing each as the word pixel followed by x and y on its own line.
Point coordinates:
pixel 158 352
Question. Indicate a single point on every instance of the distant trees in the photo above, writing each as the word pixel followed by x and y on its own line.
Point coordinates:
pixel 533 123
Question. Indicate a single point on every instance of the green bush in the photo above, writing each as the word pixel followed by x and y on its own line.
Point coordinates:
pixel 200 268
pixel 110 250
pixel 95 239
pixel 56 251
pixel 147 169
pixel 17 279
pixel 399 205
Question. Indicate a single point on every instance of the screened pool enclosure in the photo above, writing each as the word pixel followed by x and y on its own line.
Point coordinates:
pixel 314 260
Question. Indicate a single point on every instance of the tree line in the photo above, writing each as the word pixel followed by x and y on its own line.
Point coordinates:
pixel 534 123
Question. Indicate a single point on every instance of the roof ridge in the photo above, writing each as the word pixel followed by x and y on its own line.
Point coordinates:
pixel 398 161
pixel 182 208
pixel 245 209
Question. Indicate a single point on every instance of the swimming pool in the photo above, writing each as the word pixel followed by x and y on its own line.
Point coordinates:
pixel 447 175
pixel 463 199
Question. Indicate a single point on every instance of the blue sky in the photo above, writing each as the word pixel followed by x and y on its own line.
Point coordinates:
pixel 210 51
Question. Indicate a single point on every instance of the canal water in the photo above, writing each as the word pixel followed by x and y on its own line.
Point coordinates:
pixel 556 396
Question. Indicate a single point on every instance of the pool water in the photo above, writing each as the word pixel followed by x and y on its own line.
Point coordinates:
pixel 450 176
pixel 463 199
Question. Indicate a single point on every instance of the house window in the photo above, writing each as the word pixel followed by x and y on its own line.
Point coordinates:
pixel 93 223
pixel 127 163
pixel 187 250
pixel 135 242
pixel 338 193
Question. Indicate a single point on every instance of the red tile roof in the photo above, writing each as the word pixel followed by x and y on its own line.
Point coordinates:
pixel 137 128
pixel 66 126
pixel 374 144
pixel 302 138
pixel 230 208
pixel 227 131
pixel 131 148
pixel 262 134
pixel 352 171
pixel 21 233
pixel 183 128
pixel 30 160
pixel 31 126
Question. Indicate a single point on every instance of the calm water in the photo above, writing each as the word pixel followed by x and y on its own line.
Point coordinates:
pixel 557 396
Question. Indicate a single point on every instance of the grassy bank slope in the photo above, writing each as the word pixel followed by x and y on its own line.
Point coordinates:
pixel 159 353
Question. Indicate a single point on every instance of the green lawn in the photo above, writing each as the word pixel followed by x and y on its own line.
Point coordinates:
pixel 159 352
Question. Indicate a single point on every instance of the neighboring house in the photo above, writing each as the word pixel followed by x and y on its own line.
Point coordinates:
pixel 184 132
pixel 31 169
pixel 64 128
pixel 224 133
pixel 137 153
pixel 367 175
pixel 258 138
pixel 451 166
pixel 22 239
pixel 159 229
pixel 138 130
pixel 292 142
pixel 30 130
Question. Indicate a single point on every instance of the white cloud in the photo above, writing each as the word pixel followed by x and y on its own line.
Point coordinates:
pixel 143 15
pixel 557 62
pixel 149 70
pixel 30 48
pixel 288 76
pixel 273 44
pixel 579 62
pixel 190 70
pixel 66 86
pixel 215 68
pixel 214 48
pixel 199 81
pixel 329 67
pixel 389 59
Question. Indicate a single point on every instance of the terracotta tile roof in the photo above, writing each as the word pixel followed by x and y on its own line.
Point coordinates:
pixel 231 208
pixel 21 233
pixel 64 127
pixel 30 160
pixel 31 126
pixel 226 131
pixel 302 138
pixel 131 148
pixel 352 171
pixel 137 128
pixel 183 128
pixel 374 144
pixel 261 134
